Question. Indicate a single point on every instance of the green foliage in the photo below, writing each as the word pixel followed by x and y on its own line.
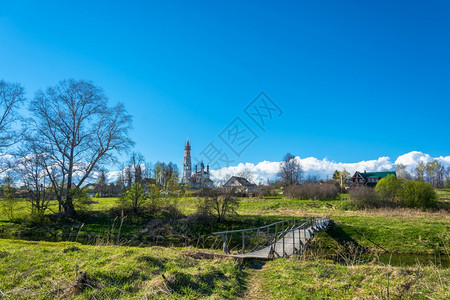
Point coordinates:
pixel 388 188
pixel 418 194
pixel 134 198
pixel 336 175
pixel 81 200
pixel 9 202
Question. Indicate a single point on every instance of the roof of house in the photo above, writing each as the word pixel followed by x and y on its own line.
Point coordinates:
pixel 366 175
pixel 242 181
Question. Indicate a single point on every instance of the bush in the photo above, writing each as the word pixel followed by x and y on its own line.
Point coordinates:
pixel 266 191
pixel 391 192
pixel 9 203
pixel 418 194
pixel 314 191
pixel 81 200
pixel 134 198
pixel 364 197
pixel 217 203
pixel 388 188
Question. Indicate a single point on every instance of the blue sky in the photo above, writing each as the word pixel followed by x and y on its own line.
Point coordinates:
pixel 355 81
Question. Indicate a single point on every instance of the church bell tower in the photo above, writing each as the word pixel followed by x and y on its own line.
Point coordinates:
pixel 187 168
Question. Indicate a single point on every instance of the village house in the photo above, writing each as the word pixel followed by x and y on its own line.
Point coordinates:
pixel 368 178
pixel 239 184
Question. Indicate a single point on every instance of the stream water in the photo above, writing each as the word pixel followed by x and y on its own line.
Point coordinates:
pixel 407 260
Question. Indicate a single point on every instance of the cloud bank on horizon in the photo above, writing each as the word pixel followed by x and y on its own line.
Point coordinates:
pixel 323 169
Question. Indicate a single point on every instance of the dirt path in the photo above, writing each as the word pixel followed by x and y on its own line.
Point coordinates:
pixel 253 284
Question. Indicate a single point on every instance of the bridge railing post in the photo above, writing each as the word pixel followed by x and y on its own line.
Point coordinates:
pixel 224 246
pixel 257 238
pixel 275 239
pixel 243 242
pixel 293 241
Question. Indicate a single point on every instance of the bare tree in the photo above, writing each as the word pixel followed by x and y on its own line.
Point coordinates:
pixel 420 171
pixel 435 173
pixel 11 96
pixel 218 203
pixel 246 173
pixel 31 168
pixel 79 131
pixel 290 170
pixel 402 172
pixel 135 167
pixel 101 184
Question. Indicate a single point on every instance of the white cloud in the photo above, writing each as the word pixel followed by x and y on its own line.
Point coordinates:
pixel 411 159
pixel 323 168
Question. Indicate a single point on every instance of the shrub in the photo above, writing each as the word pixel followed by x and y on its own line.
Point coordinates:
pixel 364 197
pixel 418 194
pixel 81 200
pixel 388 188
pixel 217 203
pixel 9 202
pixel 313 191
pixel 134 198
pixel 265 191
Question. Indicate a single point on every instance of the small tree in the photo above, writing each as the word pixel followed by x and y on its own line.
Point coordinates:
pixel 420 171
pixel 388 188
pixel 290 170
pixel 134 198
pixel 9 201
pixel 218 204
pixel 402 172
pixel 246 173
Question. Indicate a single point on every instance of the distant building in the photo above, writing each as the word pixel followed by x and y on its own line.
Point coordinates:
pixel 199 178
pixel 240 184
pixel 368 178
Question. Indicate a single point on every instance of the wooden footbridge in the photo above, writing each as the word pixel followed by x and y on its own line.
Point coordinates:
pixel 280 239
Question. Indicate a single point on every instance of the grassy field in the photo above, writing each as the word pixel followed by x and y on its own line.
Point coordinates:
pixel 100 268
pixel 386 230
pixel 43 270
pixel 324 279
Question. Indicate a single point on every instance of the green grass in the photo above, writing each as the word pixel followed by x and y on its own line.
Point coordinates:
pixel 43 270
pixel 413 234
pixel 323 279
pixel 46 270
pixel 394 230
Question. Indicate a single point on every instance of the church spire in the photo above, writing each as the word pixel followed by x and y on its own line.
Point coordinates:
pixel 187 167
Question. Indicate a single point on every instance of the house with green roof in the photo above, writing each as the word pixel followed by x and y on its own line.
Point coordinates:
pixel 368 178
